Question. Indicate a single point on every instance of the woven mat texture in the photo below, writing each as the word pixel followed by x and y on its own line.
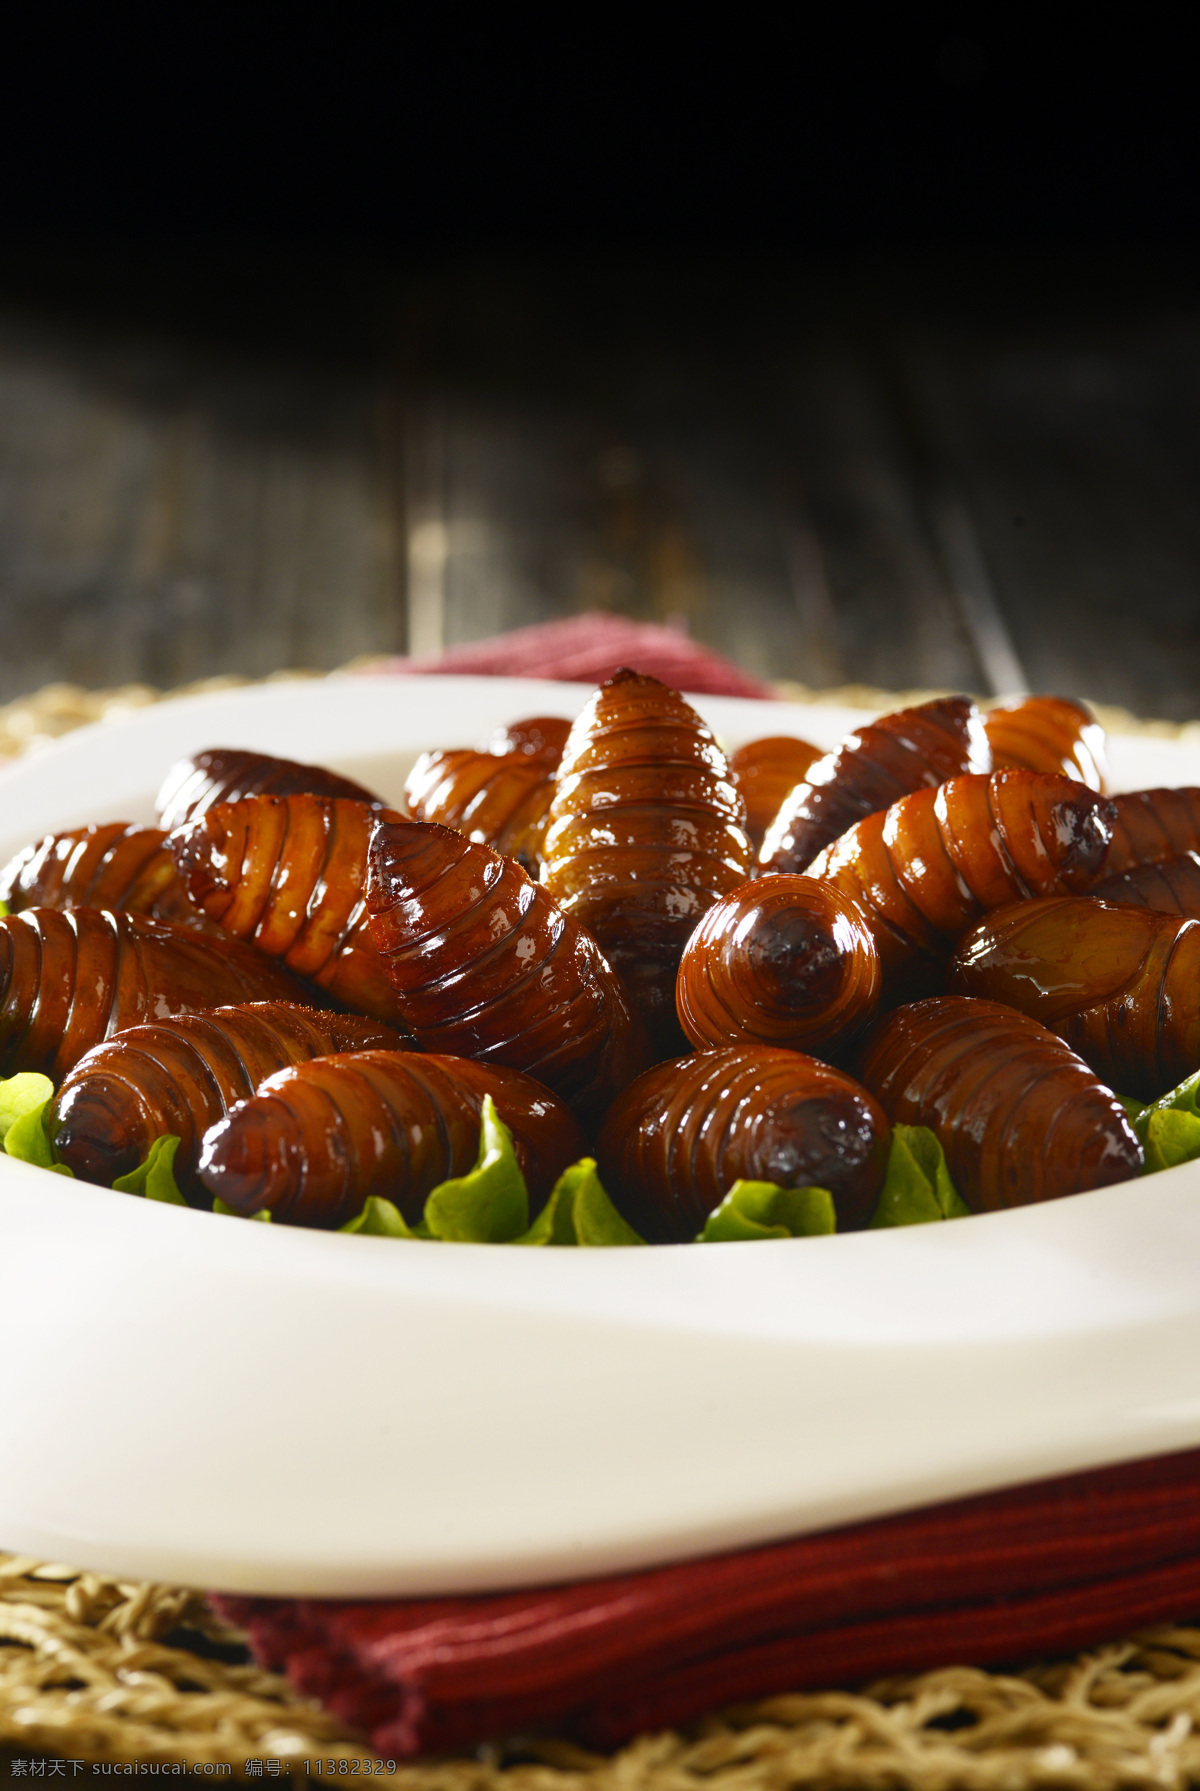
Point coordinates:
pixel 98 1670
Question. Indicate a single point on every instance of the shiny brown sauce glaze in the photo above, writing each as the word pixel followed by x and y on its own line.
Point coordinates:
pixel 180 1076
pixel 872 768
pixel 114 866
pixel 1020 1117
pixel 537 736
pixel 1151 825
pixel 1171 886
pixel 485 964
pixel 927 868
pixel 646 833
pixel 287 873
pixel 1047 733
pixel 1120 984
pixel 500 800
pixel 228 773
pixel 319 1138
pixel 677 1139
pixel 69 981
pixel 782 961
pixel 765 772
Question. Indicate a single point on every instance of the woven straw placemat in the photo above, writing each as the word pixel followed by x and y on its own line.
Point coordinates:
pixel 96 1671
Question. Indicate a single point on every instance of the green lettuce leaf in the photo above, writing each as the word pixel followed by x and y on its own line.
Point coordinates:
pixel 488 1205
pixel 916 1188
pixel 1184 1099
pixel 23 1102
pixel 1168 1129
pixel 1172 1136
pixel 381 1219
pixel 155 1178
pixel 19 1095
pixel 763 1210
pixel 579 1212
pixel 4 910
pixel 229 1212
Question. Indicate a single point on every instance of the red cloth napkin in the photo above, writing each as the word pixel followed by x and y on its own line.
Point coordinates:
pixel 1042 1569
pixel 587 649
pixel 1035 1571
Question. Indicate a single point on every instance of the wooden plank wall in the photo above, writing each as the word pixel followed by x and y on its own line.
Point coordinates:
pixel 901 477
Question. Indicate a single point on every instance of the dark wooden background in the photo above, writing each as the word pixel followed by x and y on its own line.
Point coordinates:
pixel 968 471
pixel 865 350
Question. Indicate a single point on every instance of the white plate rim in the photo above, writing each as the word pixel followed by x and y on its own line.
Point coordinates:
pixel 680 1400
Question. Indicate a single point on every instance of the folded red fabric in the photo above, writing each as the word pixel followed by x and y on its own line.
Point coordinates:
pixel 587 649
pixel 1035 1570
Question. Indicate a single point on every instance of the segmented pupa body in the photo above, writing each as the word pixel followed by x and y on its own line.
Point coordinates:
pixel 927 868
pixel 319 1139
pixel 485 964
pixel 782 961
pixel 228 773
pixel 764 773
pixel 1048 733
pixel 1120 984
pixel 117 865
pixel 1019 1115
pixel 646 833
pixel 287 874
pixel 68 981
pixel 179 1076
pixel 675 1141
pixel 872 768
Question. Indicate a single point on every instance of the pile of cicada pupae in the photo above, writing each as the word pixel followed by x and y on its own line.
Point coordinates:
pixel 934 970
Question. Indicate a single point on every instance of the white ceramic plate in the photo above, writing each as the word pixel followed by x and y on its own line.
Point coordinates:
pixel 269 1410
